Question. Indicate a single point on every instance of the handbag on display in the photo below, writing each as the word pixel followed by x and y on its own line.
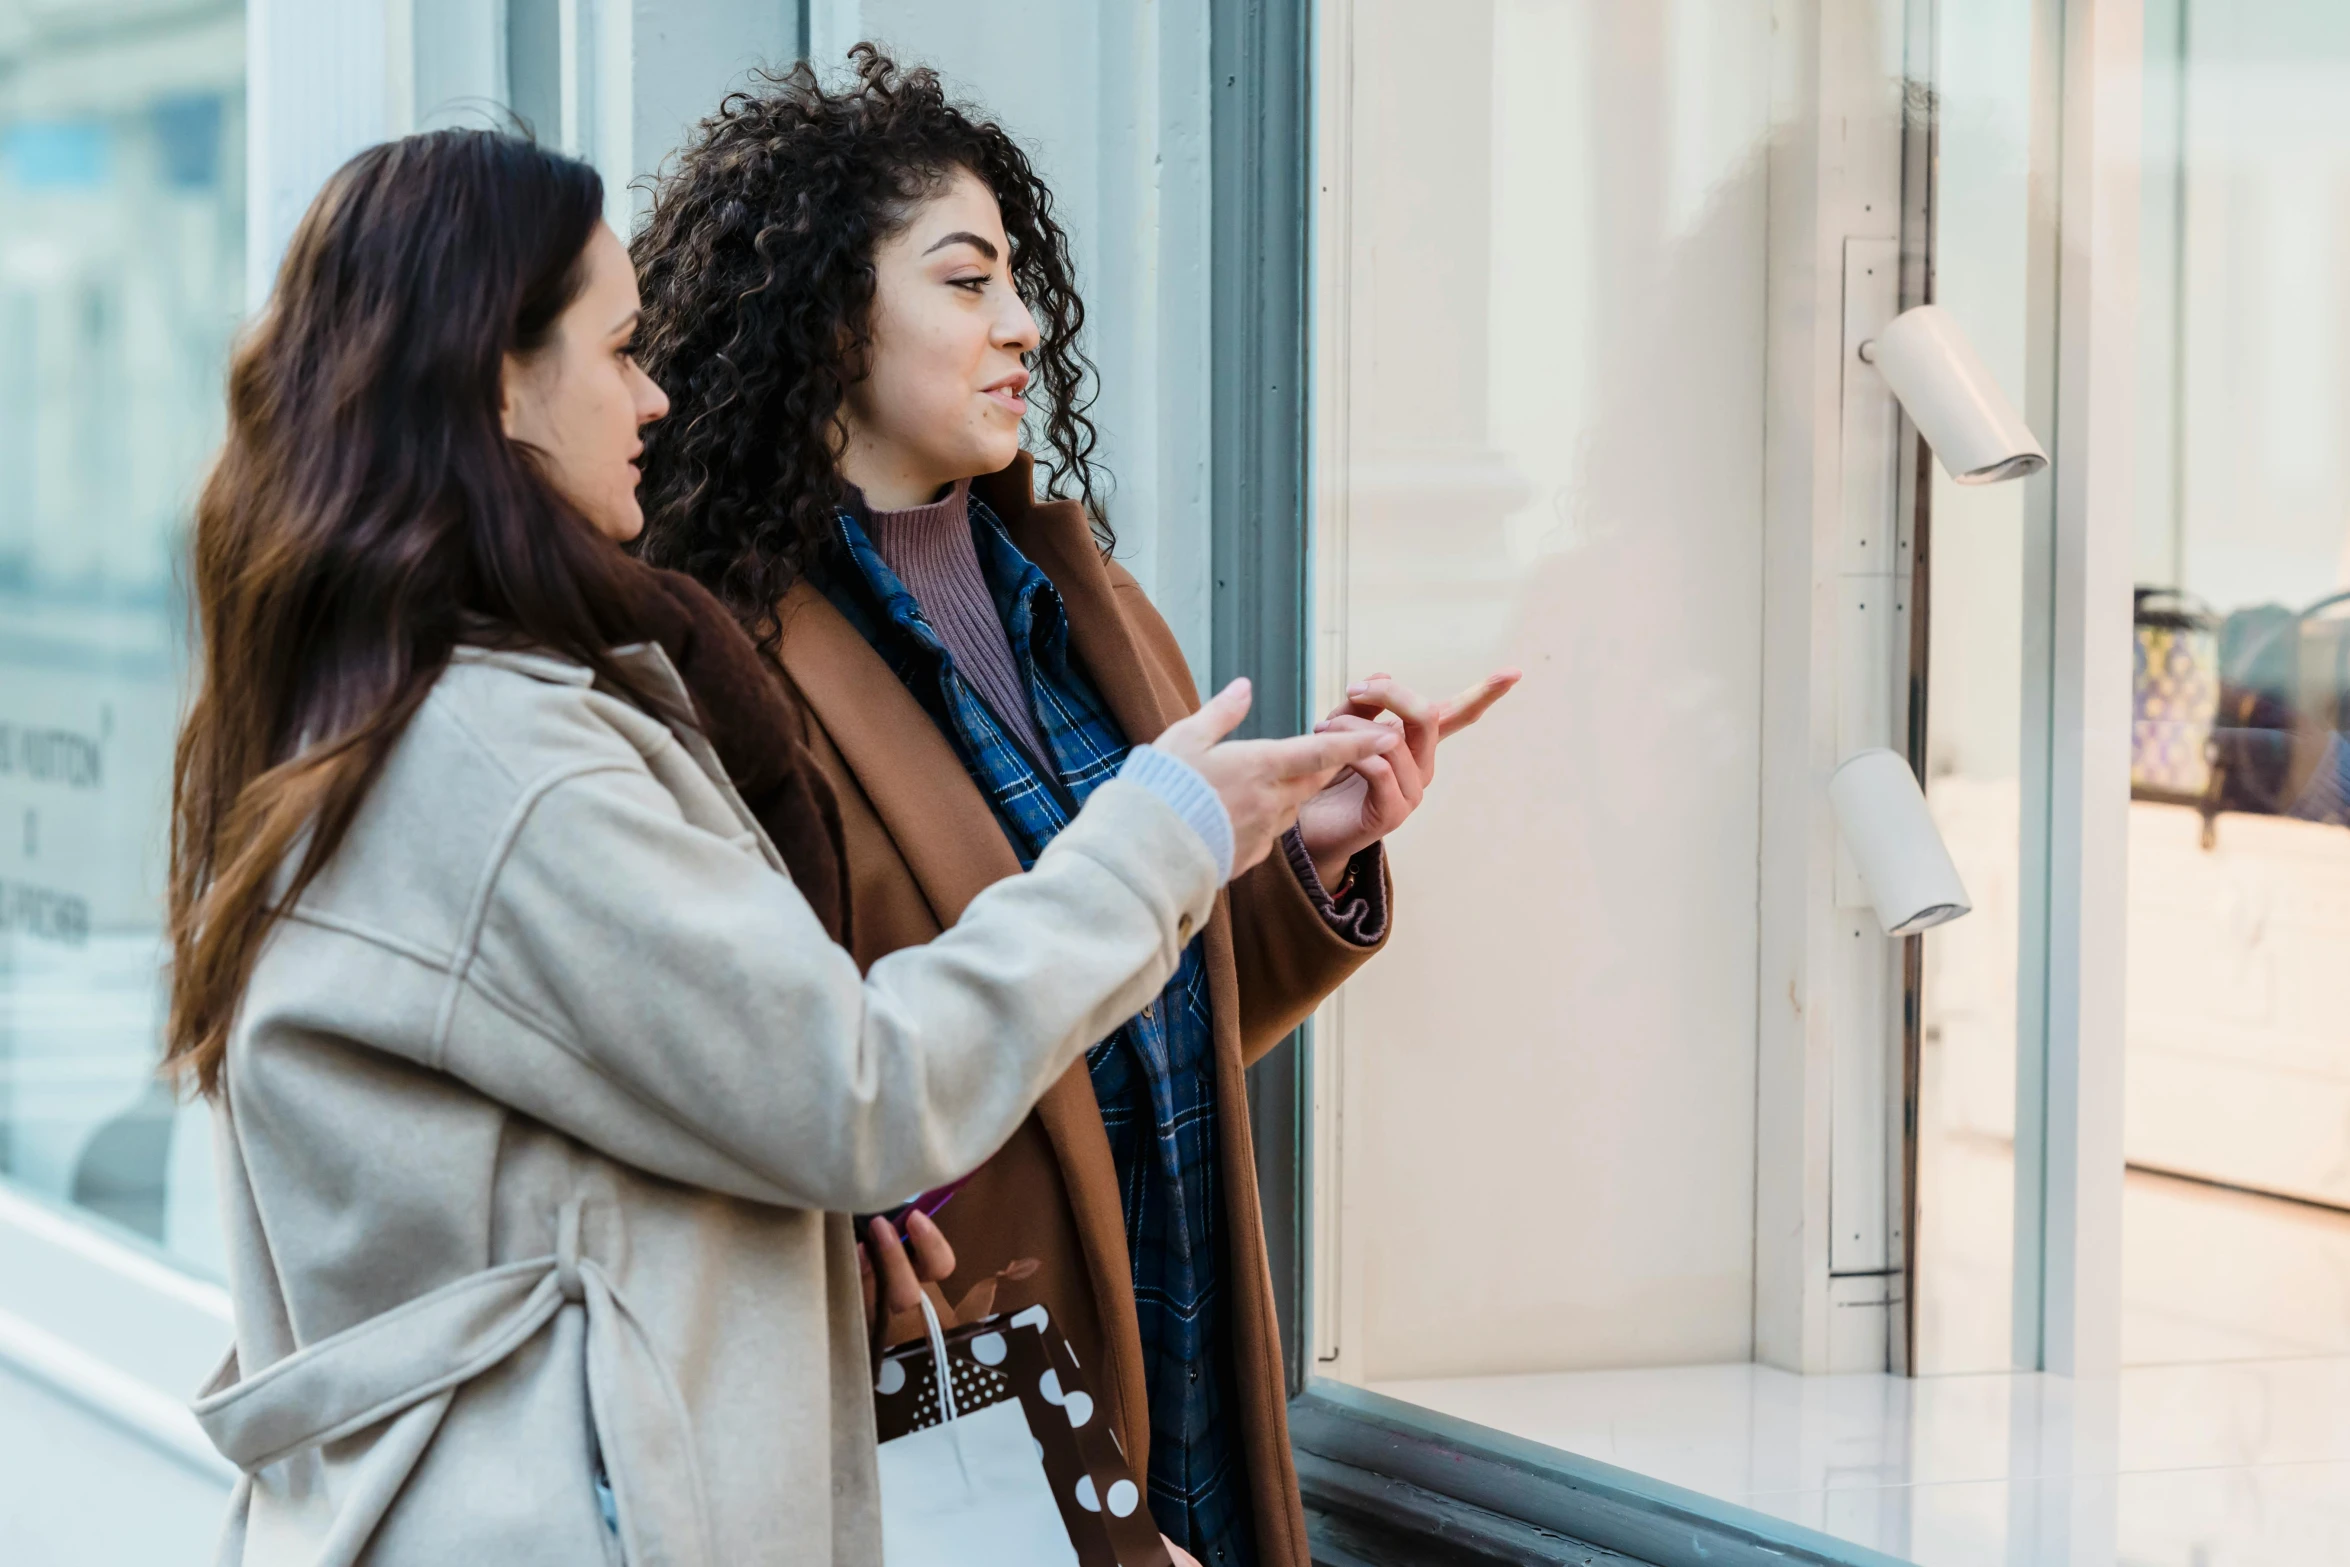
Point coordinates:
pixel 2174 697
pixel 2284 687
pixel 993 1454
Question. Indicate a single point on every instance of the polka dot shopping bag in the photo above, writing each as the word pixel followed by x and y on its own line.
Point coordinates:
pixel 1004 1459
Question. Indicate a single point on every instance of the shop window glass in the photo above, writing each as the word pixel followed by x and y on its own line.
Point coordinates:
pixel 122 215
pixel 2236 1213
pixel 1540 416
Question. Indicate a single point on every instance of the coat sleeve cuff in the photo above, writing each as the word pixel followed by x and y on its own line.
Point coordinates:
pixel 1362 919
pixel 1189 796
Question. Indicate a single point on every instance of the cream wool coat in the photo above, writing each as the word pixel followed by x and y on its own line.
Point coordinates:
pixel 539 1118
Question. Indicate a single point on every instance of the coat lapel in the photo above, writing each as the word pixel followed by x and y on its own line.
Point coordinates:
pixel 1055 535
pixel 1057 538
pixel 935 814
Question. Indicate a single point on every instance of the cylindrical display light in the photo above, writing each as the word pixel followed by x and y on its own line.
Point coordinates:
pixel 1882 814
pixel 1950 395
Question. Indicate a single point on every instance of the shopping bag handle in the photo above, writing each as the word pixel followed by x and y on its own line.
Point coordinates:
pixel 944 1375
pixel 938 1361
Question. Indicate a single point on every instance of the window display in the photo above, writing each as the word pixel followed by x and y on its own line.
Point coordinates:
pixel 2237 1203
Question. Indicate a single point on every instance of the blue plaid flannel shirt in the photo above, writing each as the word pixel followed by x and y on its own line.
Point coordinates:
pixel 1154 1077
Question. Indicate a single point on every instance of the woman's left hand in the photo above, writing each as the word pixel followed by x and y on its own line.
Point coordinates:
pixel 923 1256
pixel 1380 793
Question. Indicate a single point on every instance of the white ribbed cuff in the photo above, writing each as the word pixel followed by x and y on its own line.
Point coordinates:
pixel 1188 795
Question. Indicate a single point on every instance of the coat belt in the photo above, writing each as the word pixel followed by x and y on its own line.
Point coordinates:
pixel 373 1371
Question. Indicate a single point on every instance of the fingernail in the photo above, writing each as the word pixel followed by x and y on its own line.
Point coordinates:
pixel 1356 690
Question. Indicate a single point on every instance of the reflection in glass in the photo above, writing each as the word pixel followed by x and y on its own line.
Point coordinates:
pixel 2237 1207
pixel 121 280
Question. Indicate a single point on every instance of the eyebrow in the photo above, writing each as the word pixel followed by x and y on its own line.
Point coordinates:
pixel 628 323
pixel 966 237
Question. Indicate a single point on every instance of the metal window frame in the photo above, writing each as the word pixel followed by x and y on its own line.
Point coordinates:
pixel 1260 161
pixel 1389 1482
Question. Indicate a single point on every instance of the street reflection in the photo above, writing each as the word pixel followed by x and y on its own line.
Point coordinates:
pixel 121 283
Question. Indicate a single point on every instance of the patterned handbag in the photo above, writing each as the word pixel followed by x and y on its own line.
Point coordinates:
pixel 2174 696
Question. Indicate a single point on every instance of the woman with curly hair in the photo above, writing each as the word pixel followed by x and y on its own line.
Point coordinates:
pixel 858 300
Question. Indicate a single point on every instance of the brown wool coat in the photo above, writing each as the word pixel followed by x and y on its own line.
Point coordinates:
pixel 921 842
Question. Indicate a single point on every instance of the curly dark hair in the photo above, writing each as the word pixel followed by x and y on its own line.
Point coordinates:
pixel 757 275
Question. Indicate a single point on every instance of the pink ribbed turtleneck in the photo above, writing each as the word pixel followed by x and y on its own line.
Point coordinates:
pixel 930 549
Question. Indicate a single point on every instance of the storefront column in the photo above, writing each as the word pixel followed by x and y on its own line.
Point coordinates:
pixel 622 85
pixel 1111 103
pixel 318 91
pixel 685 56
pixel 618 84
pixel 1822 969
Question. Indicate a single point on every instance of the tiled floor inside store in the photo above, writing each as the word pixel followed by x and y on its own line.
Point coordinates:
pixel 2225 1444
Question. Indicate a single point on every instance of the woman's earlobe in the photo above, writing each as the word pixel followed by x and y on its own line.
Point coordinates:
pixel 506 396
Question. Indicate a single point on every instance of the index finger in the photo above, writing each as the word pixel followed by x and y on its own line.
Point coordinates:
pixel 1305 755
pixel 1217 717
pixel 934 1257
pixel 1420 717
pixel 900 1289
pixel 1471 705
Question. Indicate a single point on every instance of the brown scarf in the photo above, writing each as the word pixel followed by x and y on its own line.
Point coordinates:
pixel 758 731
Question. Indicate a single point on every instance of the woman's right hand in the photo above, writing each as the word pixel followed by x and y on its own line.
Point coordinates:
pixel 1263 782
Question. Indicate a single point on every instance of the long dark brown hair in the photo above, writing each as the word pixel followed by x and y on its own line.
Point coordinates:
pixel 757 270
pixel 367 512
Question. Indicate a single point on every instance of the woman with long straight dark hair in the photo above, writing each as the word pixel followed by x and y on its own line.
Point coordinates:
pixel 535 1074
